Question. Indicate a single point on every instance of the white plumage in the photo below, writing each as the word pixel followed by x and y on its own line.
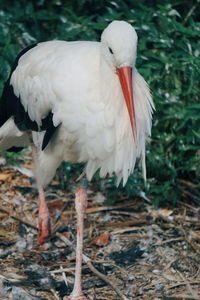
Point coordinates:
pixel 79 102
pixel 78 83
pixel 11 136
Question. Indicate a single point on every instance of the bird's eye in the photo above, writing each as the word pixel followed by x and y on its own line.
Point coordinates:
pixel 110 50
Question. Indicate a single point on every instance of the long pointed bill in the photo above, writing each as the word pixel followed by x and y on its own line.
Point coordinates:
pixel 125 77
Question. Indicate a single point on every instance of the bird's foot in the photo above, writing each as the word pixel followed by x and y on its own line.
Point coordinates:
pixel 75 296
pixel 44 226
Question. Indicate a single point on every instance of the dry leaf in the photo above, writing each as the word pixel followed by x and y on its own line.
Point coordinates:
pixel 3 232
pixel 6 176
pixel 163 213
pixel 55 205
pixel 66 234
pixel 102 240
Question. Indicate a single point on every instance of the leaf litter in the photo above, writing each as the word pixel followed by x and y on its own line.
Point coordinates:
pixel 132 251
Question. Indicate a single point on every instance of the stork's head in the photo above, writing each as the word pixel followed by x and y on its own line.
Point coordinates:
pixel 119 40
pixel 119 45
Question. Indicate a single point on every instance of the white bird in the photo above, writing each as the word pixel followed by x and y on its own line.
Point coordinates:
pixel 78 102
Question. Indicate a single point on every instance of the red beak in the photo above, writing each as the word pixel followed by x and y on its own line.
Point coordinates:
pixel 125 77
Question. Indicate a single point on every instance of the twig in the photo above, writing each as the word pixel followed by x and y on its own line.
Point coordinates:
pixel 17 278
pixel 187 205
pixel 120 231
pixel 168 241
pixel 54 293
pixel 194 197
pixel 183 283
pixel 188 183
pixel 105 278
pixel 128 229
pixel 56 225
pixel 64 275
pixel 62 270
pixel 127 223
pixel 87 260
pixel 192 244
pixel 97 209
pixel 187 284
pixel 190 12
pixel 181 296
pixel 13 216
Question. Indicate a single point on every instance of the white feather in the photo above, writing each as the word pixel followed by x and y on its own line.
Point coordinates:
pixel 78 83
pixel 11 136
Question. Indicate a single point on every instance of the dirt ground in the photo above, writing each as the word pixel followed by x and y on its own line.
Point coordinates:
pixel 134 250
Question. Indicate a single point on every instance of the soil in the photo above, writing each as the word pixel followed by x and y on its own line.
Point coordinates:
pixel 146 253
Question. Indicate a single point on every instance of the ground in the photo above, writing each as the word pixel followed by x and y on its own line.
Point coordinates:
pixel 140 252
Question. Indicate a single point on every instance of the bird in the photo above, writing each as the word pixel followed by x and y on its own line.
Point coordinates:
pixel 78 101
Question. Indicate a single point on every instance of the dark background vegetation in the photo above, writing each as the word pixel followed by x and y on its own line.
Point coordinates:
pixel 168 58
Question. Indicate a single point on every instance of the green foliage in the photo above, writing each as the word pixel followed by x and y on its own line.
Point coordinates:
pixel 168 58
pixel 11 158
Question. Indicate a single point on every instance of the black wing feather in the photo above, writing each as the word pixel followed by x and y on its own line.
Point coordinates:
pixel 11 106
pixel 47 124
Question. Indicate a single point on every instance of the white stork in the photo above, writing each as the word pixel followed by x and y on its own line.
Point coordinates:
pixel 78 102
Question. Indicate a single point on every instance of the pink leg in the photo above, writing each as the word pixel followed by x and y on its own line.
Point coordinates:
pixel 80 204
pixel 44 224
